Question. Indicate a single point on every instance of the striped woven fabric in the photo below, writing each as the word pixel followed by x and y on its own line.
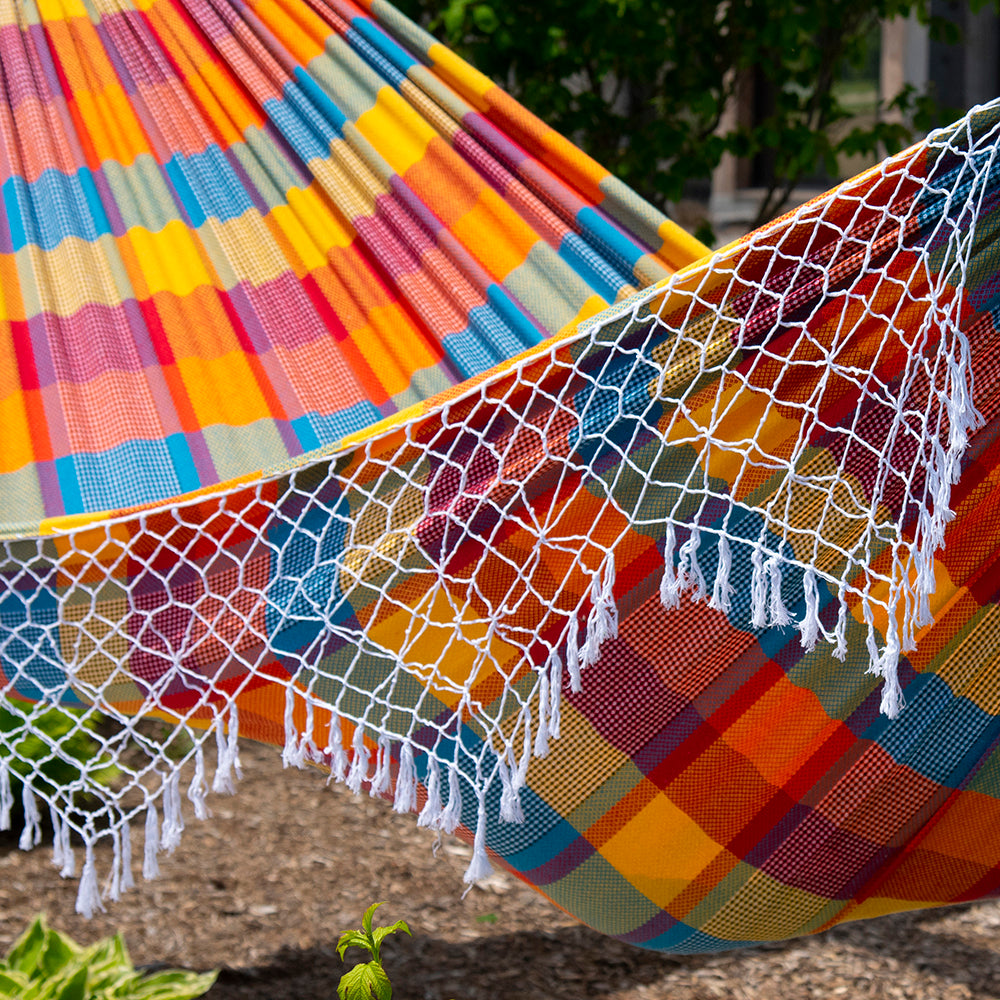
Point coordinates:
pixel 685 610
pixel 235 233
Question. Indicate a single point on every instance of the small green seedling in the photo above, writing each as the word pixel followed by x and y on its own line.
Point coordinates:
pixel 368 981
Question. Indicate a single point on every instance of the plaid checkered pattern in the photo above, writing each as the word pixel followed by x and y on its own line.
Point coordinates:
pixel 314 228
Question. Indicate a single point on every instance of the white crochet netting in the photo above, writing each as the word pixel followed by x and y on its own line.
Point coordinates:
pixel 383 578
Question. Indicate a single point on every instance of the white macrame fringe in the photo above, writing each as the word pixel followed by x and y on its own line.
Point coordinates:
pixel 451 817
pixel 358 773
pixel 406 781
pixel 381 779
pixel 173 817
pixel 433 810
pixel 227 754
pixel 479 867
pixel 335 752
pixel 293 753
pixel 63 856
pixel 151 847
pixel 198 789
pixel 31 834
pixel 88 897
pixel 6 796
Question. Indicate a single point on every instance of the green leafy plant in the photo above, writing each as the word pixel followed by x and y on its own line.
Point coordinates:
pixel 367 981
pixel 46 965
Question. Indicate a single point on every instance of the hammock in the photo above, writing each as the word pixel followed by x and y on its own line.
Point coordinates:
pixel 347 407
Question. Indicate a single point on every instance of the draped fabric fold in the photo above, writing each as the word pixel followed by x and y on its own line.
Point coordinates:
pixel 347 407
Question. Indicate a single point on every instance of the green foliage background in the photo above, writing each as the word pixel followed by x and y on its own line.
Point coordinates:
pixel 641 85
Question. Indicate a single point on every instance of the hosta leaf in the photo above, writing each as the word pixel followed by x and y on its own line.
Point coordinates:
pixel 28 948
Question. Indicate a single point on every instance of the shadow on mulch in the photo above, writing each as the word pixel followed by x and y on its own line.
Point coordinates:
pixel 574 962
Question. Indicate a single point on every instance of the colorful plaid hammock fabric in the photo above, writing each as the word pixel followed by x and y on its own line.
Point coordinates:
pixel 319 431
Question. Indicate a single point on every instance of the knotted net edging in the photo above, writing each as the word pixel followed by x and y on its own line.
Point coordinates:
pixel 774 431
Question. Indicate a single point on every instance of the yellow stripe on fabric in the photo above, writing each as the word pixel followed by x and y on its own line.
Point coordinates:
pixel 223 390
pixel 393 346
pixel 395 130
pixel 348 180
pixel 310 226
pixel 495 234
pixel 472 84
pixel 169 260
pixel 880 906
pixel 61 10
pixel 111 125
pixel 636 850
pixel 11 306
pixel 242 250
pixel 679 248
pixel 76 273
pixel 302 34
pixel 16 451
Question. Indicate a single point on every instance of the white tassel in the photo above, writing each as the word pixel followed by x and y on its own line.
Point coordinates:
pixel 809 627
pixel 293 753
pixel 688 569
pixel 596 627
pixel 573 654
pixel 722 591
pixel 31 835
pixel 510 801
pixel 57 840
pixel 382 778
pixel 150 865
pixel 358 773
pixel 227 754
pixel 113 887
pixel 542 729
pixel 233 741
pixel 63 856
pixel 405 800
pixel 840 631
pixel 602 622
pixel 672 583
pixel 480 867
pixel 430 815
pixel 521 774
pixel 173 819
pixel 452 815
pixel 198 788
pixel 555 694
pixel 88 897
pixel 779 615
pixel 335 749
pixel 758 590
pixel 6 796
pixel 127 882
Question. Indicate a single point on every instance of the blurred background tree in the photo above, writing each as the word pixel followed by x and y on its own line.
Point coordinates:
pixel 644 85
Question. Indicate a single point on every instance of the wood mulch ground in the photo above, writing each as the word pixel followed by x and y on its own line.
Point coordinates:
pixel 263 889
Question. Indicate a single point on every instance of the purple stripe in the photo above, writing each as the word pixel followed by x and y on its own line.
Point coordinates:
pixel 108 32
pixel 247 184
pixel 201 455
pixel 277 313
pixel 48 482
pixel 79 348
pixel 288 436
pixel 115 220
pixel 658 924
pixel 566 861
